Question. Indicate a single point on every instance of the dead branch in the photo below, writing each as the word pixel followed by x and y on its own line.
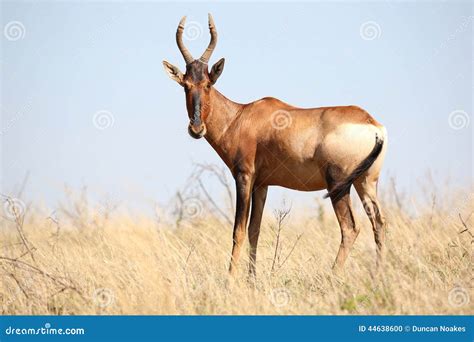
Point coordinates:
pixel 291 251
pixel 220 175
pixel 19 284
pixel 214 204
pixel 466 228
pixel 18 220
pixel 280 215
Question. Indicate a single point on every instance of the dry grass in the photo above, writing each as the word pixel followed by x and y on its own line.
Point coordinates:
pixel 90 261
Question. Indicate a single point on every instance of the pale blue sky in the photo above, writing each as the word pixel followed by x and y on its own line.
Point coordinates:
pixel 73 60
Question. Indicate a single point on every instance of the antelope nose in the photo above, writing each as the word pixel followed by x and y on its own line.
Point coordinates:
pixel 197 130
pixel 196 127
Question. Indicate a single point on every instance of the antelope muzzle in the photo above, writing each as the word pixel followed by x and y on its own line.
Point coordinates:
pixel 197 129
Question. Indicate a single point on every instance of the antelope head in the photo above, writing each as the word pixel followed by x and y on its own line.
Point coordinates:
pixel 197 81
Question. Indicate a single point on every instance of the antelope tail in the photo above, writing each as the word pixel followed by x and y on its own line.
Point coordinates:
pixel 342 187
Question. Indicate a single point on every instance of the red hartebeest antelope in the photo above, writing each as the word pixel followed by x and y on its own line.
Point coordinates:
pixel 268 142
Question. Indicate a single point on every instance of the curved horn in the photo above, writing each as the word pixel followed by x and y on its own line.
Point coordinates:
pixel 179 40
pixel 212 44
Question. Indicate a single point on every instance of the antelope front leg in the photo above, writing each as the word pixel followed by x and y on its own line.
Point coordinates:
pixel 243 182
pixel 258 202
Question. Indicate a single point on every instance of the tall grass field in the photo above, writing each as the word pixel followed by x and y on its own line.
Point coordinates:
pixel 94 259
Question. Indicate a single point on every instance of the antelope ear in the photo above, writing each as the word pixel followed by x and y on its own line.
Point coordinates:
pixel 216 70
pixel 173 72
